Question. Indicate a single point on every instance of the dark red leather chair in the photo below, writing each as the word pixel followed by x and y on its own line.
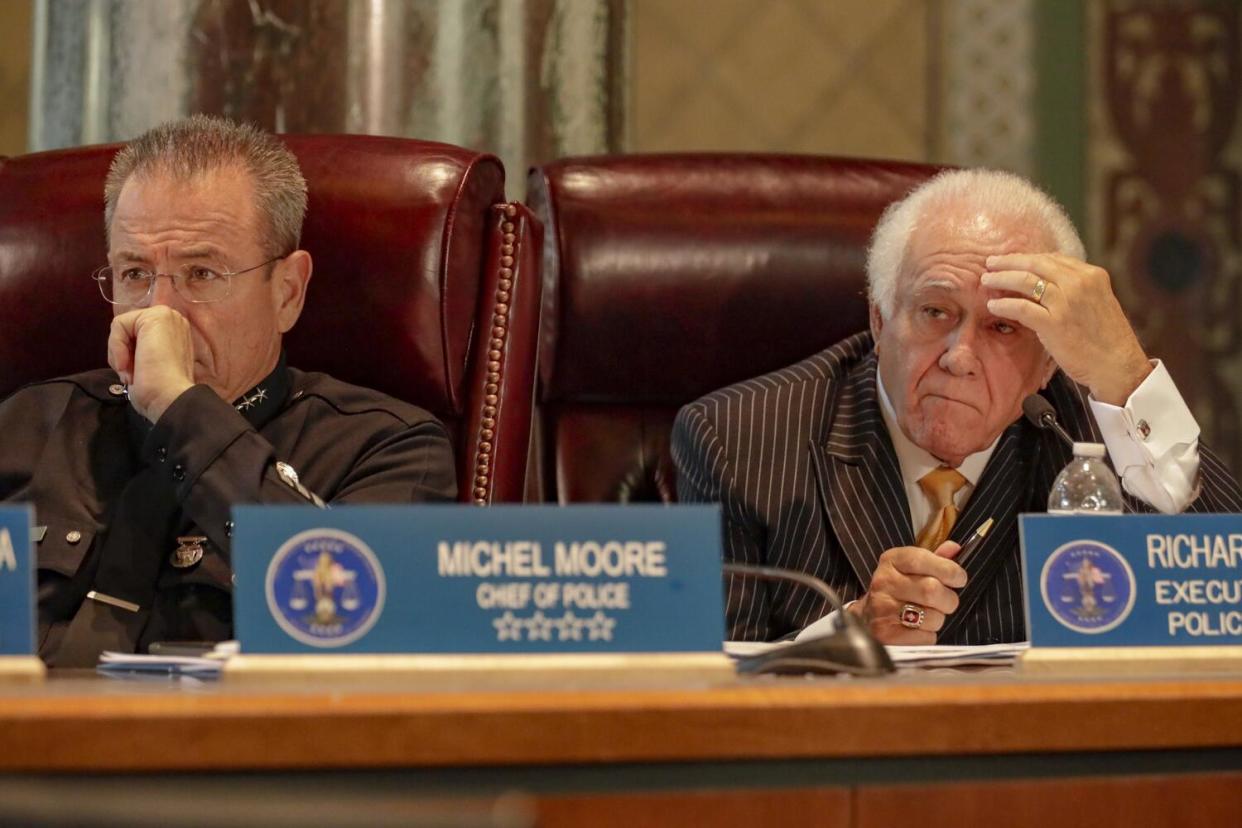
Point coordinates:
pixel 426 284
pixel 669 276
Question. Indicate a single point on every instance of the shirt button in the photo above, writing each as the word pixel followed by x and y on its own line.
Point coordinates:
pixel 178 472
pixel 74 536
pixel 228 528
pixel 1144 430
pixel 161 454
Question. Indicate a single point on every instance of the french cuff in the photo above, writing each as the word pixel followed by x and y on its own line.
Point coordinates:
pixel 1154 423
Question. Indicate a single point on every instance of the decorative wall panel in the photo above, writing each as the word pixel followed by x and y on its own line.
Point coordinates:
pixel 845 77
pixel 987 85
pixel 1165 158
pixel 15 26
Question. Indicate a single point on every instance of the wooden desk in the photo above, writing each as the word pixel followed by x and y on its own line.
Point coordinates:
pixel 860 751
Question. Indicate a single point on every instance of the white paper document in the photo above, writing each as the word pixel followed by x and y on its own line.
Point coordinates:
pixel 206 665
pixel 932 655
pixel 944 655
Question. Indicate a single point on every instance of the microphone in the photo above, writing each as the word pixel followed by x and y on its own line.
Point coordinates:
pixel 1041 414
pixel 848 649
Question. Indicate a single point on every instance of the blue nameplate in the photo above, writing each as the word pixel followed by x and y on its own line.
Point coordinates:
pixel 463 579
pixel 17 582
pixel 1132 580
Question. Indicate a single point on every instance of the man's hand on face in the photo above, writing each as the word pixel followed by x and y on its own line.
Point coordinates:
pixel 911 575
pixel 1078 319
pixel 151 350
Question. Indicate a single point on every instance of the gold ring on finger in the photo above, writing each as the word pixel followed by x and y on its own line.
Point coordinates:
pixel 1038 292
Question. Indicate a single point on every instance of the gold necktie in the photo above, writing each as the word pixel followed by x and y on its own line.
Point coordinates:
pixel 940 485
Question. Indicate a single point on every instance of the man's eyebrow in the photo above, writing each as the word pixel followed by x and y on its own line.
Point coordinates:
pixel 936 284
pixel 199 251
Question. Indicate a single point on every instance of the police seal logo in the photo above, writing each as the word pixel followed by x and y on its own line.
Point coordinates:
pixel 325 588
pixel 1088 586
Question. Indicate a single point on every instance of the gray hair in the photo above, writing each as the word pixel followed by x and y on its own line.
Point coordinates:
pixel 991 192
pixel 204 143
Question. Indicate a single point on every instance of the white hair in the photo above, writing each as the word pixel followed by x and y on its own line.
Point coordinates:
pixel 993 193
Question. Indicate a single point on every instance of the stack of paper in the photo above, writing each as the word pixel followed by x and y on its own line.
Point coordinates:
pixel 933 655
pixel 207 665
pixel 937 655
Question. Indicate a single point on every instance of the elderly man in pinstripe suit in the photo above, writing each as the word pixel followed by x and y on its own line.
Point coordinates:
pixel 867 464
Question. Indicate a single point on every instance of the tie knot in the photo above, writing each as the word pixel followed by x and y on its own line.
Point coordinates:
pixel 941 485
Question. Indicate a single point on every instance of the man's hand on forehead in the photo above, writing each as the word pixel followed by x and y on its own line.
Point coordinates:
pixel 1070 306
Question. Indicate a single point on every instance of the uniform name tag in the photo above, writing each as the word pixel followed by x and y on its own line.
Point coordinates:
pixel 17 582
pixel 1133 580
pixel 462 579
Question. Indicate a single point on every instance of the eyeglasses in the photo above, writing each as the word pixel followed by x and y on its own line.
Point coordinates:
pixel 132 285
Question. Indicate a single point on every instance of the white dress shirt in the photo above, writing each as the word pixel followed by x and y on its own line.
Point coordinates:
pixel 1153 441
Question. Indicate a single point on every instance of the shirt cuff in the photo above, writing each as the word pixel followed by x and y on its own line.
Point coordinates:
pixel 1154 422
pixel 1153 441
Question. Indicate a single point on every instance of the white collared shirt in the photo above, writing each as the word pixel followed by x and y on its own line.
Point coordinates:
pixel 916 462
pixel 1153 441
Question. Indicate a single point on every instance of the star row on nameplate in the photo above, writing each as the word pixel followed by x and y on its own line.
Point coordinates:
pixel 567 627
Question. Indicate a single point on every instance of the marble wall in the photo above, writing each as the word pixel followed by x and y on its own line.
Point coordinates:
pixel 528 79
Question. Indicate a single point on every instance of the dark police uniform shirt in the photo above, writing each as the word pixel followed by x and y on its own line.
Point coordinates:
pixel 112 493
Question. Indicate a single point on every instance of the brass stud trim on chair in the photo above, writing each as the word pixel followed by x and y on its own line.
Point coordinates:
pixel 484 458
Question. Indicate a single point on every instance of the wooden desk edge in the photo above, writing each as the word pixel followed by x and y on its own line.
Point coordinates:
pixel 333 728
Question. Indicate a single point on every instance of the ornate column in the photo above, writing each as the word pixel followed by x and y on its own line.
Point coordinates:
pixel 527 79
pixel 986 91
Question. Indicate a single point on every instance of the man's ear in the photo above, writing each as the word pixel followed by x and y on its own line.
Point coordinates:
pixel 877 324
pixel 1049 369
pixel 291 278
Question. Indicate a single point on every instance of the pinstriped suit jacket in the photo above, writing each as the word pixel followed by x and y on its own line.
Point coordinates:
pixel 807 479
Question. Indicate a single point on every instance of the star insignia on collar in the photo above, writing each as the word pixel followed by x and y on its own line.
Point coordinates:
pixel 251 400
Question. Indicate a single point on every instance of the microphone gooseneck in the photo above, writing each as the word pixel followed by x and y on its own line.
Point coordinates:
pixel 1040 413
pixel 849 649
pixel 773 573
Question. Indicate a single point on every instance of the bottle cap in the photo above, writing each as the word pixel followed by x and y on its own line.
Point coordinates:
pixel 1088 449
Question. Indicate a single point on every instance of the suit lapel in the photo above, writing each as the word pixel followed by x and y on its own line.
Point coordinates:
pixel 1002 494
pixel 858 478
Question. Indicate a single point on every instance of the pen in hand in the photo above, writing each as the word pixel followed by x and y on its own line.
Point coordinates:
pixel 973 542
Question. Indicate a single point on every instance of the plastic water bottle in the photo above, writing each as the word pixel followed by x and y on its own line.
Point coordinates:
pixel 1087 486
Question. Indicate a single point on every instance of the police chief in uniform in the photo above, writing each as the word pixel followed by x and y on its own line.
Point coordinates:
pixel 132 470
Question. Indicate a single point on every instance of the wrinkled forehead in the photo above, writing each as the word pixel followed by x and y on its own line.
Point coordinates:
pixel 218 201
pixel 964 238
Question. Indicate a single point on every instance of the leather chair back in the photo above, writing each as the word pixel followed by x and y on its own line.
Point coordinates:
pixel 425 286
pixel 669 276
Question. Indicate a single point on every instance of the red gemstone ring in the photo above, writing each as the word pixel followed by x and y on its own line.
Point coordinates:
pixel 911 616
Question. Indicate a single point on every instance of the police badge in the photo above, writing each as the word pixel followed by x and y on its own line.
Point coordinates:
pixel 188 552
